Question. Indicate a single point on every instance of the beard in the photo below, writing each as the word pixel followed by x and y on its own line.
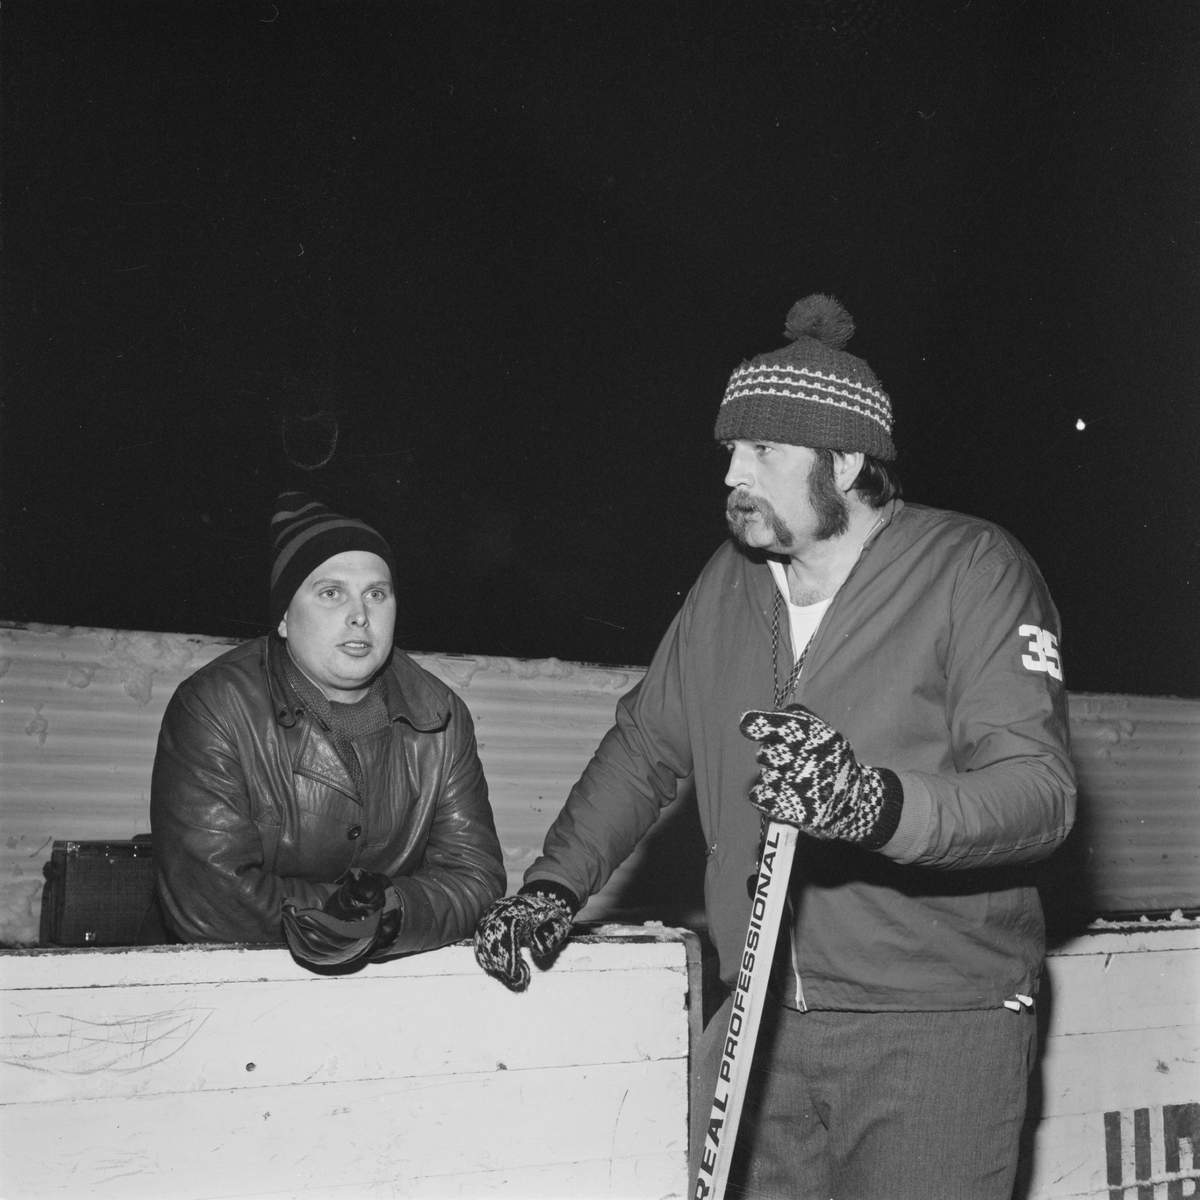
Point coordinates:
pixel 829 507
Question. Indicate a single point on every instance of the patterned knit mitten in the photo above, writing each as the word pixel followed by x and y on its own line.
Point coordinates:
pixel 810 778
pixel 538 916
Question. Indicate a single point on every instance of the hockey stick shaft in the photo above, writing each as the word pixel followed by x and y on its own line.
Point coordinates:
pixel 749 994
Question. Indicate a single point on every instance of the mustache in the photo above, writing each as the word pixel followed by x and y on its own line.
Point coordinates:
pixel 739 506
pixel 743 502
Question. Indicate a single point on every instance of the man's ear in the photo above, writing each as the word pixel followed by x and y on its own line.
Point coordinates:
pixel 283 626
pixel 846 468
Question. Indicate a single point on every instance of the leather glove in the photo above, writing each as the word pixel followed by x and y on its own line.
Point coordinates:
pixel 811 779
pixel 360 918
pixel 538 916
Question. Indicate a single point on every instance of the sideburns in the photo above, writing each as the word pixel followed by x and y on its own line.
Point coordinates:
pixel 828 503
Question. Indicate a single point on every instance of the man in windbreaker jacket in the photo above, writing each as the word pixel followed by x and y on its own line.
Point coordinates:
pixel 317 785
pixel 887 678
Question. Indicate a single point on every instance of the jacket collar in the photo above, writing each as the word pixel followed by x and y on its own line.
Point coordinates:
pixel 407 692
pixel 886 514
pixel 764 580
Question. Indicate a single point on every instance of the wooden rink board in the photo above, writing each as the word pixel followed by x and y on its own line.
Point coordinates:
pixel 189 1072
pixel 1120 1047
pixel 124 1073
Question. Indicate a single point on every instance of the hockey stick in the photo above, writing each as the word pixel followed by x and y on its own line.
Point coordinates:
pixel 766 911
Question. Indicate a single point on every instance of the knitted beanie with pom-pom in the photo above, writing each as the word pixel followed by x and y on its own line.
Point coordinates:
pixel 810 393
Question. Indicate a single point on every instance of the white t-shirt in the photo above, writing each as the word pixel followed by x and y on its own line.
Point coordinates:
pixel 803 619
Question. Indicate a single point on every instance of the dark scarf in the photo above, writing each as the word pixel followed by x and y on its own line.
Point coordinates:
pixel 343 722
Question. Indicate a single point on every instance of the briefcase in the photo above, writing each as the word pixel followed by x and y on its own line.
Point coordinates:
pixel 96 893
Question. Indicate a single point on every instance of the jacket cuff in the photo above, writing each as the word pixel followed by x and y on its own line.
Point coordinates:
pixel 554 890
pixel 911 836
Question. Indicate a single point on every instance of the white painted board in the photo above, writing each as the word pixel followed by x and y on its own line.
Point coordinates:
pixel 205 1072
pixel 1116 1098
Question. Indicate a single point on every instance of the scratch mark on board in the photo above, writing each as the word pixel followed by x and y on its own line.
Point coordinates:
pixel 613 1147
pixel 64 1044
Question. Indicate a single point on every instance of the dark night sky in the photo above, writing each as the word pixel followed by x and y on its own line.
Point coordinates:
pixel 511 252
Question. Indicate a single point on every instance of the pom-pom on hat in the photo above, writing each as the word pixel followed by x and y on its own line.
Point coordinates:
pixel 304 534
pixel 810 393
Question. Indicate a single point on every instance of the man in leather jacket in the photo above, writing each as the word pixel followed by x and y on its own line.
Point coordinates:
pixel 316 785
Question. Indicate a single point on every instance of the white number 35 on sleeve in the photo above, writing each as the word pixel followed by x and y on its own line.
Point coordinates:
pixel 1043 651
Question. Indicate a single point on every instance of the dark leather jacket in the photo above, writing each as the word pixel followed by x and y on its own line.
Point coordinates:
pixel 250 804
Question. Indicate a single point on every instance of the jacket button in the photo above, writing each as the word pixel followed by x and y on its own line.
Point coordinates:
pixel 354 832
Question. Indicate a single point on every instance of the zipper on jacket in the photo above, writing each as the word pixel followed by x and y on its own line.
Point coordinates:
pixel 884 521
pixel 793 958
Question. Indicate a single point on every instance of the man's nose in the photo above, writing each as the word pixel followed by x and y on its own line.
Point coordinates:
pixel 739 472
pixel 358 613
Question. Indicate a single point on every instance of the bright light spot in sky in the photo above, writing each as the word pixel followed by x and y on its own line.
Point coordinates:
pixel 1081 424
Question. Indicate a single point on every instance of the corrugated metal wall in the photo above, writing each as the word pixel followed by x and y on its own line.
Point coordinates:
pixel 80 710
pixel 1137 760
pixel 79 717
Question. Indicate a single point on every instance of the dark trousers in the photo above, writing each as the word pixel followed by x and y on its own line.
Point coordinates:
pixel 875 1106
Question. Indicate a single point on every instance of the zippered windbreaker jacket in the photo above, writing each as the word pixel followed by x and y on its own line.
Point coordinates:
pixel 250 804
pixel 938 658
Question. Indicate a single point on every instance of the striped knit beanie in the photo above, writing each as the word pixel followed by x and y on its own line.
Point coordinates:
pixel 304 534
pixel 810 393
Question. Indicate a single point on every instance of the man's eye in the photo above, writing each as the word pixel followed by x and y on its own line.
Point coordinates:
pixel 378 595
pixel 760 449
pixel 329 593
